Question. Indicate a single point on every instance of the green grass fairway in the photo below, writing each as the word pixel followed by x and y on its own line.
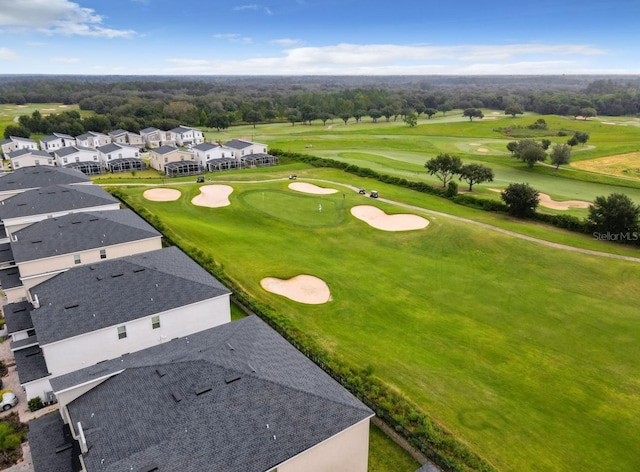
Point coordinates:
pixel 528 354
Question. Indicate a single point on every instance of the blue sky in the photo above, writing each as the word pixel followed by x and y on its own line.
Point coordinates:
pixel 330 37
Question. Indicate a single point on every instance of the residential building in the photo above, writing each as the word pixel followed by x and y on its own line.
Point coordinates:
pixel 84 159
pixel 89 314
pixel 244 147
pixel 121 136
pixel 30 158
pixel 120 158
pixel 29 178
pixel 15 143
pixel 173 161
pixel 235 398
pixel 213 157
pixel 56 141
pixel 23 209
pixel 153 137
pixel 92 139
pixel 186 136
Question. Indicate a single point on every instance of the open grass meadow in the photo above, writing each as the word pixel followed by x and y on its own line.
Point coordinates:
pixel 526 353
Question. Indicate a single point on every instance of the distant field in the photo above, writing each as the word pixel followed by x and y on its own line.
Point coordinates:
pixel 9 113
pixel 527 353
pixel 624 165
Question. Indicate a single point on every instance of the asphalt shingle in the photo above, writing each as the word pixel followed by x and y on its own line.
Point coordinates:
pixel 36 177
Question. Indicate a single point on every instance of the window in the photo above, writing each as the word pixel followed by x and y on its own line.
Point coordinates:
pixel 155 322
pixel 76 259
pixel 37 162
pixel 122 332
pixel 64 160
pixel 103 253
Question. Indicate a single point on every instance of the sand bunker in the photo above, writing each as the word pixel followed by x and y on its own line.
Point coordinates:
pixel 474 144
pixel 310 188
pixel 162 194
pixel 377 218
pixel 482 150
pixel 301 288
pixel 213 196
pixel 547 201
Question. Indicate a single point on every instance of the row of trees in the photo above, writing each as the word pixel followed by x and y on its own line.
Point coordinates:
pixel 530 151
pixel 615 214
pixel 445 167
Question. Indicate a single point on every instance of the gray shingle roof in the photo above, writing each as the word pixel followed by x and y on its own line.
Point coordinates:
pixel 117 132
pixel 48 436
pixel 55 136
pixel 6 254
pixel 29 152
pixel 10 278
pixel 18 316
pixel 111 147
pixel 36 177
pixel 30 364
pixel 66 151
pixel 53 199
pixel 92 297
pixel 238 144
pixel 255 378
pixel 148 130
pixel 78 232
pixel 206 146
pixel 181 129
pixel 165 149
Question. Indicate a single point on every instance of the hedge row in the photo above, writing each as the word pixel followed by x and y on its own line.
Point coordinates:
pixel 391 406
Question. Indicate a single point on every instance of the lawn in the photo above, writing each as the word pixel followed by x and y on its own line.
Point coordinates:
pixel 526 353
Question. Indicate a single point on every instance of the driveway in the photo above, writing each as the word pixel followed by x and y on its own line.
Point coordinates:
pixel 12 382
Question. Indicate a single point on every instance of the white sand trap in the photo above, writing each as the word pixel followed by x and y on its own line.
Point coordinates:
pixel 547 201
pixel 301 288
pixel 162 194
pixel 608 123
pixel 310 188
pixel 377 218
pixel 213 196
pixel 475 144
pixel 482 150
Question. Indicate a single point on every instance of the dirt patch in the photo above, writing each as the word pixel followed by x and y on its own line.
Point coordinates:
pixel 213 196
pixel 377 218
pixel 162 194
pixel 310 188
pixel 548 202
pixel 482 150
pixel 301 288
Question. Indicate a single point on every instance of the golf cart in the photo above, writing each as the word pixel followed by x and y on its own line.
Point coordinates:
pixel 374 194
pixel 362 191
pixel 293 177
pixel 200 179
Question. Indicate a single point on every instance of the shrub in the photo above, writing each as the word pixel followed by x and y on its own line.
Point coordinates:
pixel 452 189
pixel 35 404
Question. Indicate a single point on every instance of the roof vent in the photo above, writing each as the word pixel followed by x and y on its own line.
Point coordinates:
pixel 161 372
pixel 201 390
pixel 72 305
pixel 120 274
pixel 177 397
pixel 64 447
pixel 231 378
pixel 148 468
pixel 141 269
pixel 36 241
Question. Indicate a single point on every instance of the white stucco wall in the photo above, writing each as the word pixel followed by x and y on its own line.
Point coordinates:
pixel 37 388
pixel 90 348
pixel 347 451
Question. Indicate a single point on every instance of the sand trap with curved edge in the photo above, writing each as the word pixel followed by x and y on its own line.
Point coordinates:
pixel 548 202
pixel 213 196
pixel 162 194
pixel 482 150
pixel 377 218
pixel 310 188
pixel 301 288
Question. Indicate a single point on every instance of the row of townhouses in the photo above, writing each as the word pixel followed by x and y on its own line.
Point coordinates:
pixel 180 151
pixel 135 344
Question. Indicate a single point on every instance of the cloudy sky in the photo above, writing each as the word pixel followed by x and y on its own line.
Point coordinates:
pixel 326 37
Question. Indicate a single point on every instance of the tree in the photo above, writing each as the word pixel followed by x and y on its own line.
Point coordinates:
pixel 521 199
pixel 616 214
pixel 475 174
pixel 545 143
pixel 18 131
pixel 588 112
pixel 411 119
pixel 514 109
pixel 472 113
pixel 581 137
pixel 430 112
pixel 444 108
pixel 560 154
pixel 254 116
pixel 375 114
pixel 530 152
pixel 444 167
pixel 572 141
pixel 512 147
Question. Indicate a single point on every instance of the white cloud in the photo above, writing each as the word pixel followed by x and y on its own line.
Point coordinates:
pixel 57 17
pixel 253 7
pixel 234 38
pixel 65 60
pixel 36 44
pixel 286 42
pixel 388 59
pixel 7 55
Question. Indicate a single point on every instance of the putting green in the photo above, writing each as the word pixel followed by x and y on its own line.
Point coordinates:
pixel 299 209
